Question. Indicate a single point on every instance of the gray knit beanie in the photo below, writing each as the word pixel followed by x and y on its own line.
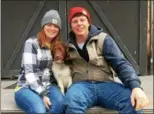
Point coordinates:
pixel 51 16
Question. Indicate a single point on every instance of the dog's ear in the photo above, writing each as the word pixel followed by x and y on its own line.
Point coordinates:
pixel 67 53
pixel 68 61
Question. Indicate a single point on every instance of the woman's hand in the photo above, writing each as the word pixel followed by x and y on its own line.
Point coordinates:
pixel 139 99
pixel 47 102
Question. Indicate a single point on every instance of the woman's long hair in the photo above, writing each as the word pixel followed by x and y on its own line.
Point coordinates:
pixel 42 38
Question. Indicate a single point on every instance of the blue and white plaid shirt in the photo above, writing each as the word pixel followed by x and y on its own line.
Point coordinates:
pixel 35 67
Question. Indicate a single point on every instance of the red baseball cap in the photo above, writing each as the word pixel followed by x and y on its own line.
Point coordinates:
pixel 75 10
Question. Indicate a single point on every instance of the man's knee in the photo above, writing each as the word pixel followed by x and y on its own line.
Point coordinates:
pixel 75 104
pixel 72 99
pixel 75 99
pixel 57 105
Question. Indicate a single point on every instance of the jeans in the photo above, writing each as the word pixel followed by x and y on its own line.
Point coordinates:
pixel 30 102
pixel 111 95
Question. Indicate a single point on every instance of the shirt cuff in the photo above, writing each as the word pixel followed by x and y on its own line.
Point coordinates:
pixel 44 93
pixel 134 84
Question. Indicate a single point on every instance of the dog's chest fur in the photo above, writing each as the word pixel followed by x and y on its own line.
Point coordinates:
pixel 61 72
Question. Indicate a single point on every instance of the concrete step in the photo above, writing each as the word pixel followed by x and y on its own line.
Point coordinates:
pixel 8 105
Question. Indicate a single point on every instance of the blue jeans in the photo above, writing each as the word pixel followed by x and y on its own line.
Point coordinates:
pixel 31 102
pixel 111 95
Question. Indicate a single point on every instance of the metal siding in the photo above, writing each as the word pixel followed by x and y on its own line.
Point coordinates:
pixel 123 20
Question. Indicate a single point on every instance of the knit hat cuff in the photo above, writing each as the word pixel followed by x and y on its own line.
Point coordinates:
pixel 52 20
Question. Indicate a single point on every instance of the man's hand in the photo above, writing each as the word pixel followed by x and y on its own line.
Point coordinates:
pixel 139 99
pixel 47 102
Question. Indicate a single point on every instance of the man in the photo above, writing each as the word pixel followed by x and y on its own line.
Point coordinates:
pixel 92 54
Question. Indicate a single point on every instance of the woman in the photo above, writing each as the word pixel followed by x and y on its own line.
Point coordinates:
pixel 34 92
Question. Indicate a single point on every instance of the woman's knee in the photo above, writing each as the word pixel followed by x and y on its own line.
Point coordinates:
pixel 27 100
pixel 30 107
pixel 39 108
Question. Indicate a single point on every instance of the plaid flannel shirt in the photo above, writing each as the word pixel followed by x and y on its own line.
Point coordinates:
pixel 35 67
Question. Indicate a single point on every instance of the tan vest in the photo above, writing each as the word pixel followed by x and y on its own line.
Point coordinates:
pixel 97 68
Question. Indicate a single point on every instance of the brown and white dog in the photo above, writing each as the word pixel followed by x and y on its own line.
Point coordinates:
pixel 61 71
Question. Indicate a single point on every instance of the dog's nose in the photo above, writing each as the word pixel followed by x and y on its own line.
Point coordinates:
pixel 58 57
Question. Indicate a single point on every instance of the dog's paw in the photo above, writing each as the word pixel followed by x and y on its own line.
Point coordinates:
pixel 63 93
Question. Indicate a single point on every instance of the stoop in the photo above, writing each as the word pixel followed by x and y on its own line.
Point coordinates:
pixel 8 105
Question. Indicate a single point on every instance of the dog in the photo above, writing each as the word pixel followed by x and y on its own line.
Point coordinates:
pixel 61 71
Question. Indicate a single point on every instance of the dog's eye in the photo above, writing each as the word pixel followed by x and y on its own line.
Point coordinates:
pixel 61 49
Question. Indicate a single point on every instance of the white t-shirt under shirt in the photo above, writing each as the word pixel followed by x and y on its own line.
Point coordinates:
pixel 80 45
